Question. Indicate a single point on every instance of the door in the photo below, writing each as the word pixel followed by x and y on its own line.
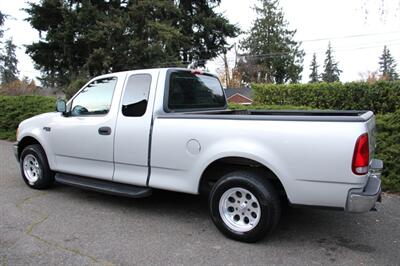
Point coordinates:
pixel 133 129
pixel 83 141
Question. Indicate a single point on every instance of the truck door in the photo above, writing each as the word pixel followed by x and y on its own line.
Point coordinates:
pixel 82 142
pixel 132 135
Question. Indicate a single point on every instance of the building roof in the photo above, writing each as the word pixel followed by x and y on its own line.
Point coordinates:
pixel 245 91
pixel 240 99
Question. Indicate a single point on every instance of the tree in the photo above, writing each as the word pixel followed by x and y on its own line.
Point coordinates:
pixel 273 54
pixel 8 68
pixel 387 65
pixel 369 76
pixel 2 19
pixel 249 70
pixel 331 70
pixel 235 78
pixel 87 38
pixel 206 30
pixel 19 87
pixel 314 77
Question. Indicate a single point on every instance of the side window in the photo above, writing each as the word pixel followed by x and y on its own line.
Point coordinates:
pixel 136 95
pixel 95 98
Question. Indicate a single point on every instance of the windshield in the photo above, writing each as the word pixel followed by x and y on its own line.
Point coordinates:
pixel 189 90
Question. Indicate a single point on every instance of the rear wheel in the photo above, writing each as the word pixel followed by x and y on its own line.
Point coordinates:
pixel 244 206
pixel 35 168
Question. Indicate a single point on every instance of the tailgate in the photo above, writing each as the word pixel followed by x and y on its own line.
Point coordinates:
pixel 371 128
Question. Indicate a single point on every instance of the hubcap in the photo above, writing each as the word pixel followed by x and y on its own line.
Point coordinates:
pixel 32 169
pixel 239 209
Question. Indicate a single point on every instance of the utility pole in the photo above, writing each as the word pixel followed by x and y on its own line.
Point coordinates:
pixel 227 79
pixel 236 56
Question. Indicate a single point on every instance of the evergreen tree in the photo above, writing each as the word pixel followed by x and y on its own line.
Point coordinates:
pixel 8 68
pixel 314 77
pixel 387 65
pixel 87 38
pixel 2 19
pixel 331 70
pixel 205 30
pixel 274 55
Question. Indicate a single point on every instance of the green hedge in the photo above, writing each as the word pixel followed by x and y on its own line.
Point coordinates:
pixel 380 97
pixel 14 109
pixel 388 149
pixel 267 107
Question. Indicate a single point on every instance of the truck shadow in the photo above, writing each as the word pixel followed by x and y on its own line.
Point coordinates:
pixel 324 229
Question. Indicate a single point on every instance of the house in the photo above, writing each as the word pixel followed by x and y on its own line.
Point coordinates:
pixel 240 96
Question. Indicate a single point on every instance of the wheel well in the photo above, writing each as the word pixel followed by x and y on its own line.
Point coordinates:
pixel 26 141
pixel 223 166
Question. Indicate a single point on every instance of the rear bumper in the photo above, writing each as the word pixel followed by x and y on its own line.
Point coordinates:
pixel 15 149
pixel 364 199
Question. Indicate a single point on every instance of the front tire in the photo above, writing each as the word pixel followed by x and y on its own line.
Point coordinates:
pixel 35 169
pixel 244 206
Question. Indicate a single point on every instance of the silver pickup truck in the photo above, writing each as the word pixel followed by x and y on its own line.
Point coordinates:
pixel 130 132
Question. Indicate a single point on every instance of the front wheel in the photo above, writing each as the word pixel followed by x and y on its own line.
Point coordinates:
pixel 244 206
pixel 35 168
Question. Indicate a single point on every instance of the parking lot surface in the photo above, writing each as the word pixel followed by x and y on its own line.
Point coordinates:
pixel 70 226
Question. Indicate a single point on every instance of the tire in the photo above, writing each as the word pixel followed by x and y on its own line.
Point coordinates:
pixel 257 205
pixel 35 169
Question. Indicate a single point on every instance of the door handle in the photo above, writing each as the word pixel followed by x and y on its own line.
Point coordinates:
pixel 105 130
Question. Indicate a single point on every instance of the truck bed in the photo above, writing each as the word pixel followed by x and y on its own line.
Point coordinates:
pixel 280 115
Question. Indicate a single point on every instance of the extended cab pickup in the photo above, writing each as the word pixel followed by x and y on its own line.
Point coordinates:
pixel 130 132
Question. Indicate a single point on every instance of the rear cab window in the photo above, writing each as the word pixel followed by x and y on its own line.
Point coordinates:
pixel 135 99
pixel 190 90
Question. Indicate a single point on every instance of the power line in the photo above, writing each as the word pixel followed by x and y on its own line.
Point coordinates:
pixel 283 54
pixel 324 39
pixel 268 55
pixel 350 36
pixel 393 42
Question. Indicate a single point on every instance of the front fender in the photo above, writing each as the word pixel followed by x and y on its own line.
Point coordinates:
pixel 42 141
pixel 35 128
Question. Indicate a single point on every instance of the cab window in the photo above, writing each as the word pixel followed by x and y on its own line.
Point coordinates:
pixel 136 95
pixel 189 90
pixel 95 98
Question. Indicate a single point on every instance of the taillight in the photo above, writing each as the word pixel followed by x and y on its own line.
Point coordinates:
pixel 361 156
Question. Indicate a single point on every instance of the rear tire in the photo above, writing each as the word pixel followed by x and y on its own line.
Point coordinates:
pixel 244 206
pixel 35 169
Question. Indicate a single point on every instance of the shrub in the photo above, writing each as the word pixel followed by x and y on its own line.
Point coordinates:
pixel 19 87
pixel 236 106
pixel 380 96
pixel 14 109
pixel 388 149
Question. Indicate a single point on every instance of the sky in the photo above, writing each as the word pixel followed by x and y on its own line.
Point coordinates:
pixel 357 30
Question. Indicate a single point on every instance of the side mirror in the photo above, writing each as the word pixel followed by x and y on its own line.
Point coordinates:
pixel 61 106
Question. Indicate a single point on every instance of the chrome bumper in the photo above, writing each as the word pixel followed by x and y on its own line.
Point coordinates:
pixel 364 199
pixel 15 149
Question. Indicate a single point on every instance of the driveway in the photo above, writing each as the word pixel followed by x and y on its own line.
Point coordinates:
pixel 65 225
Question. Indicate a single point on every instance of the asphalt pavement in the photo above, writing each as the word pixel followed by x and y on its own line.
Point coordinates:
pixel 70 226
